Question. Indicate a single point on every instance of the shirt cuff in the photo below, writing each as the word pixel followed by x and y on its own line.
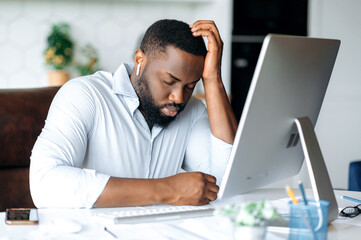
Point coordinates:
pixel 220 152
pixel 97 184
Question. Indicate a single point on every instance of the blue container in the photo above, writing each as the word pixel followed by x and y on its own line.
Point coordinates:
pixel 309 222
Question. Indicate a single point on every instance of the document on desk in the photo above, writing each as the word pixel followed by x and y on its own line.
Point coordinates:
pixel 282 205
pixel 212 228
pixel 356 221
pixel 206 228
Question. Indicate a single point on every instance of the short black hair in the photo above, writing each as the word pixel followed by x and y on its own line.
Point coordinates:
pixel 170 32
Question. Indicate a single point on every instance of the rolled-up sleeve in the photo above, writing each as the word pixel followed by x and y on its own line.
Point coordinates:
pixel 205 152
pixel 57 178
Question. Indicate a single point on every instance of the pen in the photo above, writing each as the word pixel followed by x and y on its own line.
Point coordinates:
pixel 291 194
pixel 300 184
pixel 351 199
pixel 110 233
pixel 307 220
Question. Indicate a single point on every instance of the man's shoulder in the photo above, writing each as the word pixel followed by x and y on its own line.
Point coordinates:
pixel 84 89
pixel 98 78
pixel 99 81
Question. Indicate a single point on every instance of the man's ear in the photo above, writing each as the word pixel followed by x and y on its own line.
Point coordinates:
pixel 139 61
pixel 139 57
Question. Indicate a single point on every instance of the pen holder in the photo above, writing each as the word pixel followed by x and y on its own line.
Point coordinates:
pixel 309 222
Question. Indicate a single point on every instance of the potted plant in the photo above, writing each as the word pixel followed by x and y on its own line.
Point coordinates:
pixel 90 55
pixel 59 54
pixel 249 219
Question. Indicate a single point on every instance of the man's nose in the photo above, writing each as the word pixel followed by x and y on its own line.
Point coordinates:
pixel 177 96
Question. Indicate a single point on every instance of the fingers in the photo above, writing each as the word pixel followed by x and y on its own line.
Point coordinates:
pixel 212 65
pixel 211 189
pixel 211 183
pixel 193 188
pixel 212 41
pixel 202 27
pixel 207 190
pixel 210 178
pixel 209 195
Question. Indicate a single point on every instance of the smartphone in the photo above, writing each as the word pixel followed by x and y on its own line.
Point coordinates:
pixel 17 216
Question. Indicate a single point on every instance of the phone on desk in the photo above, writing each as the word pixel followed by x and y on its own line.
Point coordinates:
pixel 20 216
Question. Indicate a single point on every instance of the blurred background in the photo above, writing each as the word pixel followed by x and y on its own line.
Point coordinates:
pixel 104 34
pixel 113 27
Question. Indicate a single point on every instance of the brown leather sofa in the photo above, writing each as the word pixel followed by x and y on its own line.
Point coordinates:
pixel 22 116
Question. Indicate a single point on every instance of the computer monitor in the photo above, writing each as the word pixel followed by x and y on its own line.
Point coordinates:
pixel 276 129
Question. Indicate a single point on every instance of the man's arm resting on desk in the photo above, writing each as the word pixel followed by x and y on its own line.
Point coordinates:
pixel 193 188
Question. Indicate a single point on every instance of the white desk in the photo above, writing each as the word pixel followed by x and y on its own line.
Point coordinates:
pixel 200 228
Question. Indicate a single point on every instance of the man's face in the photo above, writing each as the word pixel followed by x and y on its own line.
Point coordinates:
pixel 166 84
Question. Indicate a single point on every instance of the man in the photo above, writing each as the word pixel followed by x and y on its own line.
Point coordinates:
pixel 121 139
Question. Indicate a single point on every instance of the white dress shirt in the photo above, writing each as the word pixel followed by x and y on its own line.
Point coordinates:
pixel 94 130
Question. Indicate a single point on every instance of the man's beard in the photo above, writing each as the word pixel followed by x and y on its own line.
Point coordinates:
pixel 152 112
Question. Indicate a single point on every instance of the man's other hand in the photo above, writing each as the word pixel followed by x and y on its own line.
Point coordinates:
pixel 191 188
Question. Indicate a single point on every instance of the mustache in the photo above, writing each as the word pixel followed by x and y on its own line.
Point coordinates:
pixel 175 105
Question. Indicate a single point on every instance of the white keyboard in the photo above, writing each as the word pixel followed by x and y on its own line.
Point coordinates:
pixel 155 213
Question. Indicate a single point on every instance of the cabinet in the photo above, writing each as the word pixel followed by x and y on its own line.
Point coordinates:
pixel 252 21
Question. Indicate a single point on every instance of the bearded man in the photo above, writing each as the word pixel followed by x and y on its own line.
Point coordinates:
pixel 123 139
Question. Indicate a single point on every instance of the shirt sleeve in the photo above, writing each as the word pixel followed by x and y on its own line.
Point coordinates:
pixel 57 178
pixel 205 152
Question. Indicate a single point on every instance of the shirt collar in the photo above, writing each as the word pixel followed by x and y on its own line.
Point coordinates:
pixel 123 86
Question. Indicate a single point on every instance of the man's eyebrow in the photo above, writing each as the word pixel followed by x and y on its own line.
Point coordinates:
pixel 172 76
pixel 177 79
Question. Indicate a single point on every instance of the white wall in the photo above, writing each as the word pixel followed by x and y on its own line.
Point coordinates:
pixel 339 123
pixel 338 127
pixel 113 27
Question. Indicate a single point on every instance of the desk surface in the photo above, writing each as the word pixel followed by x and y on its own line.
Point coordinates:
pixel 197 228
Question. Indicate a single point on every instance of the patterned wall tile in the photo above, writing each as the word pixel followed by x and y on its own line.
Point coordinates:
pixel 38 11
pixel 11 59
pixel 3 32
pixel 10 10
pixel 3 82
pixel 23 32
pixel 113 27
pixel 68 10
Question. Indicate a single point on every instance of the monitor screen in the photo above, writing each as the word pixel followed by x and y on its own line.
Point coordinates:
pixel 290 82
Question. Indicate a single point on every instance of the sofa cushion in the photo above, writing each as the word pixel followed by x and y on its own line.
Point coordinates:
pixel 22 116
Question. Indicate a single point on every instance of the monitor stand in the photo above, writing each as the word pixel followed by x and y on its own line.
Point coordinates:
pixel 320 180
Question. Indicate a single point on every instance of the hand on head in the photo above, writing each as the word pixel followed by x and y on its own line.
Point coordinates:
pixel 212 65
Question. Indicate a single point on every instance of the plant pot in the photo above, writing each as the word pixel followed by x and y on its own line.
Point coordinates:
pixel 249 233
pixel 57 77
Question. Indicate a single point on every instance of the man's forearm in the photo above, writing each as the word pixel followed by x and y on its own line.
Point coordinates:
pixel 222 121
pixel 131 192
pixel 193 188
